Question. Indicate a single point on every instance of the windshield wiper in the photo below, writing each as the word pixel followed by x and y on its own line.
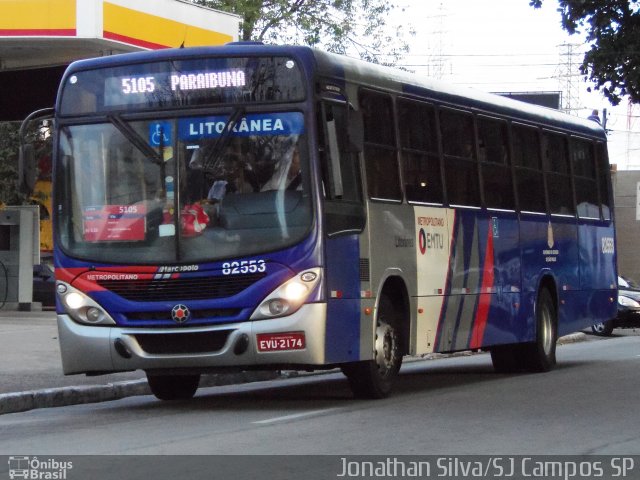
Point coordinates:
pixel 213 157
pixel 136 140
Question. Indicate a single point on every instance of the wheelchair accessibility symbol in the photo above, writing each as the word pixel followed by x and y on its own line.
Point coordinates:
pixel 158 131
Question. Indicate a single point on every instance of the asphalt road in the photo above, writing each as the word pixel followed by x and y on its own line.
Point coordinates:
pixel 446 407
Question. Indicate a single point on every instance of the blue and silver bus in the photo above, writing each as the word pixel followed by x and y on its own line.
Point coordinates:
pixel 270 207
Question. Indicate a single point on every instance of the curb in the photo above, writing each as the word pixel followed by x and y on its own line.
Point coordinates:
pixel 64 396
pixel 573 338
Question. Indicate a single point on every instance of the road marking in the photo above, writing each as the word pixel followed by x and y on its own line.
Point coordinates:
pixel 293 417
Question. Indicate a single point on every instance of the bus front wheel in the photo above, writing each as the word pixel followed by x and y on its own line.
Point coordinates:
pixel 375 378
pixel 173 387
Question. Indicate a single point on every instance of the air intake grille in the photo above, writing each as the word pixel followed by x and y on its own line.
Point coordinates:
pixel 172 289
pixel 167 344
pixel 365 275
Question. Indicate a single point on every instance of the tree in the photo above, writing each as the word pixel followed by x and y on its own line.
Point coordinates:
pixel 612 29
pixel 9 194
pixel 356 27
pixel 38 136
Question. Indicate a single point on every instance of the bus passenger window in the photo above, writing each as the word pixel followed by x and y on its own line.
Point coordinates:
pixel 419 152
pixel 584 178
pixel 461 166
pixel 556 166
pixel 604 174
pixel 383 177
pixel 528 169
pixel 494 160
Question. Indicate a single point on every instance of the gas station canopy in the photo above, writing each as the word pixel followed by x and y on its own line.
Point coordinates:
pixel 39 38
pixel 46 33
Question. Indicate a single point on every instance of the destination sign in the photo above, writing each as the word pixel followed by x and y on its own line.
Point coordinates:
pixel 180 83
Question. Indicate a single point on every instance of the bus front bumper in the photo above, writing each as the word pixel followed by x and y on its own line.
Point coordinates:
pixel 297 339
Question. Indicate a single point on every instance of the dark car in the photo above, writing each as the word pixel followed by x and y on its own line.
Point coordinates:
pixel 628 309
pixel 44 283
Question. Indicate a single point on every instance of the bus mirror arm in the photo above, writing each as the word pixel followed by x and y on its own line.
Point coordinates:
pixel 27 167
pixel 355 131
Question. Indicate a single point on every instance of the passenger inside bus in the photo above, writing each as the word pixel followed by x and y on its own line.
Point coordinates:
pixel 286 173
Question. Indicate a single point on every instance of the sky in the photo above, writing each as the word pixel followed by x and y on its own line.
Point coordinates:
pixel 508 46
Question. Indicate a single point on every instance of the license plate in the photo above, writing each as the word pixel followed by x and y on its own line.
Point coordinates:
pixel 276 342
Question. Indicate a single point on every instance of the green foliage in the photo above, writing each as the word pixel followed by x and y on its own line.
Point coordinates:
pixel 9 194
pixel 37 135
pixel 612 29
pixel 354 27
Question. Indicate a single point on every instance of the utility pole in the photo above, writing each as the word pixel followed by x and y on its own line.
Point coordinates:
pixel 437 63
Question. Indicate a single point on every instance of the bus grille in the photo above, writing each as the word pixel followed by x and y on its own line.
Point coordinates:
pixel 196 314
pixel 183 343
pixel 173 289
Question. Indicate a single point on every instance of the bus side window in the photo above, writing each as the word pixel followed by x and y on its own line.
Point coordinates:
pixel 381 160
pixel 494 159
pixel 528 169
pixel 603 181
pixel 584 178
pixel 419 151
pixel 460 164
pixel 556 166
pixel 344 211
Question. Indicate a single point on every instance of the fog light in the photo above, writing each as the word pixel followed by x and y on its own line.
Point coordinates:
pixel 278 307
pixel 93 314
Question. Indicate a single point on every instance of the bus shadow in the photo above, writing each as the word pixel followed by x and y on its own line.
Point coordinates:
pixel 331 390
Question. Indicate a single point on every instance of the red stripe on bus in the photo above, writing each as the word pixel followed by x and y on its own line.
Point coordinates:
pixel 133 41
pixel 39 32
pixel 485 296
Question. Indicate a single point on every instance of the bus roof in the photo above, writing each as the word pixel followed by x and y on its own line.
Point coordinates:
pixel 400 81
pixel 342 68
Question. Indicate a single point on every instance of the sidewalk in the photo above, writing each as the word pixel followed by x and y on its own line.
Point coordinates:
pixel 31 370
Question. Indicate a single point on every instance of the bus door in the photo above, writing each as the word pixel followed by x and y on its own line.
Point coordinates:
pixel 344 220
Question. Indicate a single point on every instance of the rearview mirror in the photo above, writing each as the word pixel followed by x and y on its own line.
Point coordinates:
pixel 27 166
pixel 27 171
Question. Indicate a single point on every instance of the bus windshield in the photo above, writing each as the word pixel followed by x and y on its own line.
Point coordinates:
pixel 185 189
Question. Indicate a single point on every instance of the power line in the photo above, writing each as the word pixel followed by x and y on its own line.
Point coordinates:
pixel 486 65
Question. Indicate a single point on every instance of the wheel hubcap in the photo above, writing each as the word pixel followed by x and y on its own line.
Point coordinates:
pixel 386 347
pixel 547 336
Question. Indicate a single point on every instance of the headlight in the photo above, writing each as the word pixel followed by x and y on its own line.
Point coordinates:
pixel 627 302
pixel 288 297
pixel 81 307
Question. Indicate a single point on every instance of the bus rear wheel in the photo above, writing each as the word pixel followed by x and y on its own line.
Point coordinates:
pixel 537 356
pixel 375 378
pixel 173 387
pixel 540 356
